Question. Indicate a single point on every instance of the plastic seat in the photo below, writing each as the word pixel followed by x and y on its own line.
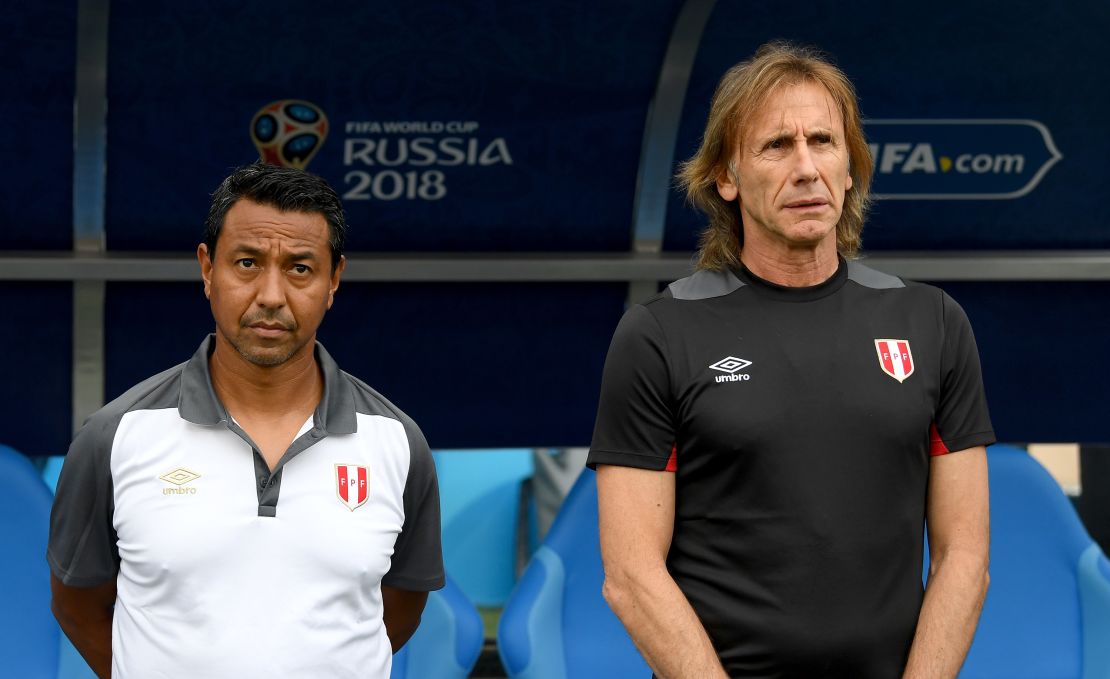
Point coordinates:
pixel 28 633
pixel 479 493
pixel 448 641
pixel 556 624
pixel 1047 613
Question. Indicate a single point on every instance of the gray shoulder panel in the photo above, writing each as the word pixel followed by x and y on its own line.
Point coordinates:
pixel 154 393
pixel 368 401
pixel 82 547
pixel 870 278
pixel 704 284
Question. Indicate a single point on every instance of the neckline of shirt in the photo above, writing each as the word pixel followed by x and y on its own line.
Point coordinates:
pixel 782 293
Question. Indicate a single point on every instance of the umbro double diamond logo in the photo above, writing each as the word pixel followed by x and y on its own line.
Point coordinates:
pixel 731 366
pixel 180 477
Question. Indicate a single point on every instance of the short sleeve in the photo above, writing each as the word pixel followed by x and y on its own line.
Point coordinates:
pixel 82 548
pixel 417 563
pixel 962 420
pixel 635 419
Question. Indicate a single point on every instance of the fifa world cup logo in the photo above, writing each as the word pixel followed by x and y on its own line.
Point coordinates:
pixel 289 132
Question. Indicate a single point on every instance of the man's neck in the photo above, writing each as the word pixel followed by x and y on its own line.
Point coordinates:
pixel 252 391
pixel 790 266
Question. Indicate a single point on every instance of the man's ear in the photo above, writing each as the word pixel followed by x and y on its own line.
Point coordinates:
pixel 339 266
pixel 728 183
pixel 205 262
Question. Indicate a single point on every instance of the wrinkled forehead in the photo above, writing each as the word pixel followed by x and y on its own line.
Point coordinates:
pixel 786 104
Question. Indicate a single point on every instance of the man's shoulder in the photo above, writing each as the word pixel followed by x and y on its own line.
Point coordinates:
pixel 682 307
pixel 155 392
pixel 370 401
pixel 672 306
pixel 865 276
pixel 703 284
pixel 868 277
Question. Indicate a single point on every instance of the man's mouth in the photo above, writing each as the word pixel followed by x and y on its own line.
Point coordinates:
pixel 269 328
pixel 807 203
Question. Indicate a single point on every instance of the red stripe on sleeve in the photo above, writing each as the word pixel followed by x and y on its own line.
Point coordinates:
pixel 672 461
pixel 936 445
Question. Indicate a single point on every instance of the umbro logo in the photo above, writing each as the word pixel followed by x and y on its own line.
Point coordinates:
pixel 732 366
pixel 179 477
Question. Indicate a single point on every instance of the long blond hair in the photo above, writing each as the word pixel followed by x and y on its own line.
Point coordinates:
pixel 740 93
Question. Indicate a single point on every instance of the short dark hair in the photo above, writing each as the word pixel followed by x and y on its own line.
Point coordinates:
pixel 284 188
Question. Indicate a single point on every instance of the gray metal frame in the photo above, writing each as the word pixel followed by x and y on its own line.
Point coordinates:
pixel 1086 265
pixel 90 112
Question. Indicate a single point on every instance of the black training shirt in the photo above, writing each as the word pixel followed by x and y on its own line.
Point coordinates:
pixel 799 422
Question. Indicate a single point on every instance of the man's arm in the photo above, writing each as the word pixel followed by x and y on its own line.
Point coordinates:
pixel 958 517
pixel 85 615
pixel 636 509
pixel 401 610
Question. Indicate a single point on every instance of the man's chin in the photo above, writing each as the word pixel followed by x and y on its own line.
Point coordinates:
pixel 265 357
pixel 810 234
pixel 266 360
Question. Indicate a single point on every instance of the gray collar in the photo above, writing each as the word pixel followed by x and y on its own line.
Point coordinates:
pixel 198 404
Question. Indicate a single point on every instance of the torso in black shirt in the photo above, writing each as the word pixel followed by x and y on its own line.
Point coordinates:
pixel 801 453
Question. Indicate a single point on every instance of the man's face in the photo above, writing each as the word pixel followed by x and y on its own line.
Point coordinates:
pixel 269 281
pixel 791 169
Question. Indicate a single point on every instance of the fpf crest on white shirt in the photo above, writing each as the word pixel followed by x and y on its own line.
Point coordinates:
pixel 352 485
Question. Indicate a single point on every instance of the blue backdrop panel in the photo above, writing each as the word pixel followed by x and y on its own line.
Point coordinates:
pixel 984 123
pixel 449 124
pixel 149 327
pixel 37 79
pixel 36 396
pixel 1041 346
pixel 477 365
pixel 482 365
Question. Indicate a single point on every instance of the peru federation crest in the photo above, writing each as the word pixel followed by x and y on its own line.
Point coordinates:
pixel 352 484
pixel 895 358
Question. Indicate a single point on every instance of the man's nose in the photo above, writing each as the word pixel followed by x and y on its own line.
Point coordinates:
pixel 805 171
pixel 271 288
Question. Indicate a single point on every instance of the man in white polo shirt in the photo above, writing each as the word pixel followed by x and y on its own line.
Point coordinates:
pixel 254 511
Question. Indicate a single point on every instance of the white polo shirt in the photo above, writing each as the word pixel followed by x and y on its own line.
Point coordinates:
pixel 226 570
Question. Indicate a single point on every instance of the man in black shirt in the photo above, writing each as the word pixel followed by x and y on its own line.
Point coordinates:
pixel 775 430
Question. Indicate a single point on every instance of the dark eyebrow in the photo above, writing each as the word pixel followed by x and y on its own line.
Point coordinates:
pixel 246 250
pixel 771 138
pixel 255 253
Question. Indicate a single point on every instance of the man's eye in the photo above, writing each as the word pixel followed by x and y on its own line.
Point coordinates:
pixel 775 144
pixel 301 268
pixel 245 263
pixel 823 139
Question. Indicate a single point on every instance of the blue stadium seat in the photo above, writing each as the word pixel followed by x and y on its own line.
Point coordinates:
pixel 556 624
pixel 28 633
pixel 448 641
pixel 479 492
pixel 1047 613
